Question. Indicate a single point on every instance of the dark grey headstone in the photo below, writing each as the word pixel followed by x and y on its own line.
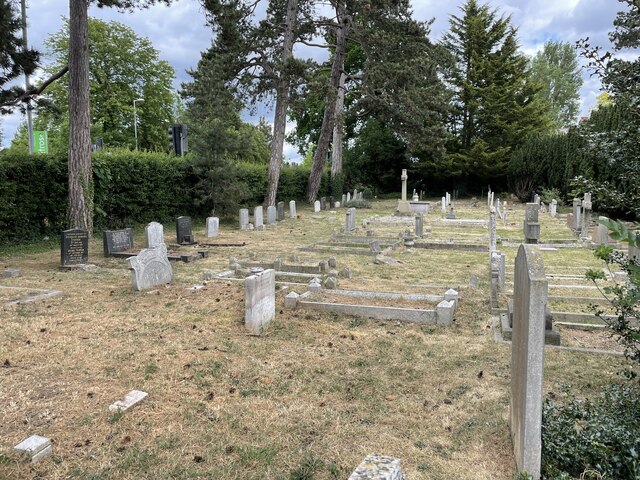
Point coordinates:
pixel 323 203
pixel 332 202
pixel 74 247
pixel 115 241
pixel 280 211
pixel 184 230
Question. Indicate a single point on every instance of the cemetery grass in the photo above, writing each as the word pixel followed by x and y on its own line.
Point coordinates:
pixel 308 400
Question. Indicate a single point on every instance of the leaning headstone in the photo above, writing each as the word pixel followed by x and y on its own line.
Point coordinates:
pixel 244 218
pixel 527 359
pixel 316 206
pixel 280 216
pixel 74 247
pixel 259 300
pixel 184 231
pixel 553 208
pixel 154 232
pixel 114 241
pixel 271 214
pixel 292 209
pixel 150 268
pixel 419 225
pixel 323 203
pixel 258 217
pixel 212 227
pixel 378 467
pixel 35 448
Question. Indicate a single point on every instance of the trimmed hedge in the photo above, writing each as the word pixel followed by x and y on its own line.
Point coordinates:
pixel 129 188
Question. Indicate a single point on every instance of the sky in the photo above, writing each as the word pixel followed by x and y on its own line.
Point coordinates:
pixel 180 34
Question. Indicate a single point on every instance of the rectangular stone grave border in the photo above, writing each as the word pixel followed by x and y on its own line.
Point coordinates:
pixel 35 448
pixel 33 295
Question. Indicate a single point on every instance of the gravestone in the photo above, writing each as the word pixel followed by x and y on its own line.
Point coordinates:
pixel 280 216
pixel 415 197
pixel 292 209
pixel 338 204
pixel 74 247
pixel 114 241
pixel 332 202
pixel 553 208
pixel 527 359
pixel 350 219
pixel 531 226
pixel 577 213
pixel 601 234
pixel 154 232
pixel 348 196
pixel 378 467
pixel 244 218
pixel 271 214
pixel 212 227
pixel 586 214
pixel 448 198
pixel 316 206
pixel 258 217
pixel 443 205
pixel 452 214
pixel 536 199
pixel 493 236
pixel 344 199
pixel 35 448
pixel 184 231
pixel 404 207
pixel 323 203
pixel 150 268
pixel 259 300
pixel 419 226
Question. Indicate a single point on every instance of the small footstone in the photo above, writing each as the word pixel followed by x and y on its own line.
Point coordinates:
pixel 35 447
pixel 378 467
pixel 10 273
pixel 129 400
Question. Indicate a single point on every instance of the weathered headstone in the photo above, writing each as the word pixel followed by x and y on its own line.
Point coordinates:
pixel 415 197
pixel 344 199
pixel 271 214
pixel 74 247
pixel 114 241
pixel 601 234
pixel 258 217
pixel 443 205
pixel 527 359
pixel 212 227
pixel 332 202
pixel 536 199
pixel 338 204
pixel 404 207
pixel 323 203
pixel 150 268
pixel 419 226
pixel 452 214
pixel 577 213
pixel 259 300
pixel 448 198
pixel 129 401
pixel 154 232
pixel 378 467
pixel 586 215
pixel 244 218
pixel 184 231
pixel 553 208
pixel 292 209
pixel 493 236
pixel 280 216
pixel 316 206
pixel 350 219
pixel 531 226
pixel 348 196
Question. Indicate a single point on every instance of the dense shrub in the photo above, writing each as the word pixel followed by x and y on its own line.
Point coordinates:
pixel 602 435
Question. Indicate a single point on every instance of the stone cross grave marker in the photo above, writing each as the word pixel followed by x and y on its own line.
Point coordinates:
pixel 114 241
pixel 527 359
pixel 74 247
pixel 212 227
pixel 259 300
pixel 184 231
pixel 150 268
pixel 154 232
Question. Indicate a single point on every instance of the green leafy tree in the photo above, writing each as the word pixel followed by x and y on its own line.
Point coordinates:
pixel 495 104
pixel 122 67
pixel 556 69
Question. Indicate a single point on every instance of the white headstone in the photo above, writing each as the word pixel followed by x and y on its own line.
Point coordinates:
pixel 292 209
pixel 150 268
pixel 258 217
pixel 443 205
pixel 154 232
pixel 316 206
pixel 553 209
pixel 212 227
pixel 404 178
pixel 259 300
pixel 271 214
pixel 492 229
pixel 244 218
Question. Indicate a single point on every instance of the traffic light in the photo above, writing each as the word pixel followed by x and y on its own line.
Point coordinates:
pixel 178 139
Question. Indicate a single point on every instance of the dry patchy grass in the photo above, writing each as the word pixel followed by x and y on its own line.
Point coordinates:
pixel 306 401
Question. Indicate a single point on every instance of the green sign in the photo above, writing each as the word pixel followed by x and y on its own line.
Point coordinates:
pixel 40 142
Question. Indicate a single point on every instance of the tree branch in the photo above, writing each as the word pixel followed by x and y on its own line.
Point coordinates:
pixel 310 44
pixel 33 92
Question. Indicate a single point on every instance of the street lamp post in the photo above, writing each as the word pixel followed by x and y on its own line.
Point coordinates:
pixel 135 119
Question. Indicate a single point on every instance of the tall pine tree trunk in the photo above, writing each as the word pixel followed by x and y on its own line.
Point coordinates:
pixel 338 131
pixel 282 104
pixel 80 178
pixel 328 119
